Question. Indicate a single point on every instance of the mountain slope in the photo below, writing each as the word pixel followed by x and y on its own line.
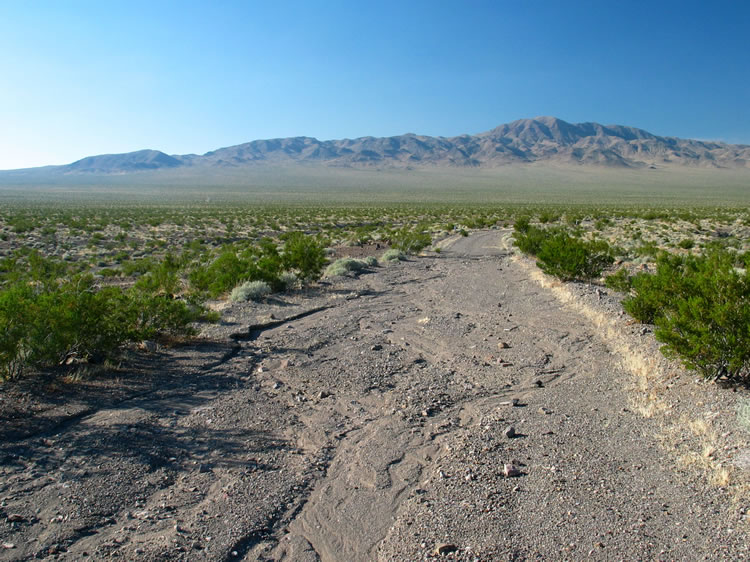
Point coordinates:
pixel 543 139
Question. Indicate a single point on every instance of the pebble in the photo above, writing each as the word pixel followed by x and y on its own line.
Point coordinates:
pixel 510 432
pixel 510 470
pixel 503 345
pixel 445 548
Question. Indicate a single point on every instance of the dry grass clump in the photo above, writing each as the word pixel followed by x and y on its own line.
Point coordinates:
pixel 743 414
pixel 251 290
pixel 343 266
pixel 392 255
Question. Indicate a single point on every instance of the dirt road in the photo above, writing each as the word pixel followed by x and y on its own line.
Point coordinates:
pixel 374 418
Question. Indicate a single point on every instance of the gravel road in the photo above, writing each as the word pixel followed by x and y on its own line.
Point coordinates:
pixel 446 407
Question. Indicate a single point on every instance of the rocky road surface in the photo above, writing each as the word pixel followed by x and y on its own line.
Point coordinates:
pixel 445 407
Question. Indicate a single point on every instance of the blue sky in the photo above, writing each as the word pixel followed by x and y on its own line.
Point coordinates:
pixel 79 78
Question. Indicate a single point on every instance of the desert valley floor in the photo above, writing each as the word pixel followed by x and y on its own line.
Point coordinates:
pixel 454 406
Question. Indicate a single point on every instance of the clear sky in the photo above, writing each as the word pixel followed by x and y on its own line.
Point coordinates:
pixel 79 78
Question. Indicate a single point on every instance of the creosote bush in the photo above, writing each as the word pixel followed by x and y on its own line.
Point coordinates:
pixel 562 255
pixel 411 241
pixel 618 281
pixel 305 255
pixel 701 308
pixel 570 258
pixel 44 323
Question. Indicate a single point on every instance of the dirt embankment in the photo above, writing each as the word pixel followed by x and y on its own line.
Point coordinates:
pixel 450 406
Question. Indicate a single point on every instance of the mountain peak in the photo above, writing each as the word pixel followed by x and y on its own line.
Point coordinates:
pixel 128 162
pixel 542 139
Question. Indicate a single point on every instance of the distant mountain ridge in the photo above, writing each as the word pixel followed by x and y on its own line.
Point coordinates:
pixel 525 141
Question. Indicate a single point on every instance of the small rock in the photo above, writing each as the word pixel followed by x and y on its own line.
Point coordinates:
pixel 539 383
pixel 16 518
pixel 202 468
pixel 150 346
pixel 8 545
pixel 323 394
pixel 503 345
pixel 515 402
pixel 510 432
pixel 510 470
pixel 277 385
pixel 445 548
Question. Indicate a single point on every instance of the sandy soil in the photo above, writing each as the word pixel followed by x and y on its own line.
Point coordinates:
pixel 454 406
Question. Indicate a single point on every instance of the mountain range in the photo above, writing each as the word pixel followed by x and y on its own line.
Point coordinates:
pixel 525 141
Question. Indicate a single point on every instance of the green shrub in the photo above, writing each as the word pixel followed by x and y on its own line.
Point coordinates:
pixel 569 258
pixel 686 243
pixel 701 309
pixel 109 272
pixel 219 276
pixel 15 326
pixel 652 293
pixel 251 290
pixel 522 224
pixel 305 255
pixel 411 241
pixel 618 281
pixel 230 268
pixel 647 249
pixel 548 216
pixel 530 238
pixel 49 319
